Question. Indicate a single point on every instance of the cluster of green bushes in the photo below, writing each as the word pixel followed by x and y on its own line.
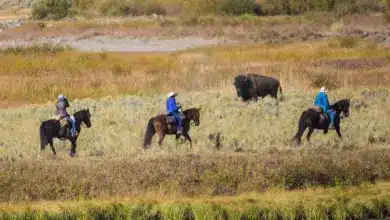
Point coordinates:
pixel 57 9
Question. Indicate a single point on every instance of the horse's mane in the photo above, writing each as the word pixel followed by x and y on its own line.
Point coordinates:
pixel 338 103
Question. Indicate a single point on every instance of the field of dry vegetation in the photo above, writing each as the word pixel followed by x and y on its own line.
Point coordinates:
pixel 251 172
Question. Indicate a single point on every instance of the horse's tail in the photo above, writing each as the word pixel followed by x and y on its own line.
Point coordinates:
pixel 42 136
pixel 150 131
pixel 302 125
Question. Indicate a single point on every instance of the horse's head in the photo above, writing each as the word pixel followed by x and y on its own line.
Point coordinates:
pixel 342 106
pixel 84 116
pixel 193 114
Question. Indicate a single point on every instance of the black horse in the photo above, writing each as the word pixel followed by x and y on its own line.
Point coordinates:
pixel 312 119
pixel 52 129
pixel 160 126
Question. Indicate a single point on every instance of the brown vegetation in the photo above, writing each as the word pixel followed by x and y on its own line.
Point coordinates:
pixel 25 73
pixel 190 175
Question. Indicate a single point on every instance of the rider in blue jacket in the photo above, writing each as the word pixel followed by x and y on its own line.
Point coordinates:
pixel 321 100
pixel 173 109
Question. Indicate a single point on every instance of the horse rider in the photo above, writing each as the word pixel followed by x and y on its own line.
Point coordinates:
pixel 321 100
pixel 61 105
pixel 173 109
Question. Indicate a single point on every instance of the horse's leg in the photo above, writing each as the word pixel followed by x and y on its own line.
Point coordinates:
pixel 160 140
pixel 189 139
pixel 309 133
pixel 177 141
pixel 72 151
pixel 337 127
pixel 52 148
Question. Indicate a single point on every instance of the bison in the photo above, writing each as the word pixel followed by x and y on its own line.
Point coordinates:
pixel 251 86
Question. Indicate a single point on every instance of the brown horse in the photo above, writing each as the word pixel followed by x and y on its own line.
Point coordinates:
pixel 159 125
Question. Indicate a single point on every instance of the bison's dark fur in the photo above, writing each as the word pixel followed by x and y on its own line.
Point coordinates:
pixel 251 86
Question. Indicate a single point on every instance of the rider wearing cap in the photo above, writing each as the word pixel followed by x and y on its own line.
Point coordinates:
pixel 173 109
pixel 321 100
pixel 61 105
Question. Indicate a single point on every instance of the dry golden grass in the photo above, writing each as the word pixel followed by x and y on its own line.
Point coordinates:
pixel 34 76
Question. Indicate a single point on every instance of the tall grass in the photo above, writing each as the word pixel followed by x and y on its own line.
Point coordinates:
pixel 35 49
pixel 35 75
pixel 369 202
pixel 231 7
pixel 253 155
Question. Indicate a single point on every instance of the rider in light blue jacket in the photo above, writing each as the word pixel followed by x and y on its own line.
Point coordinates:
pixel 173 109
pixel 322 101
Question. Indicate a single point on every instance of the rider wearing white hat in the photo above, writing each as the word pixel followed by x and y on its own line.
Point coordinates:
pixel 323 89
pixel 173 109
pixel 321 100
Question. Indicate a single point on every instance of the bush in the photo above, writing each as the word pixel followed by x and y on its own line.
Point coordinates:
pixel 237 7
pixel 324 80
pixel 343 42
pixel 51 9
pixel 83 4
pixel 386 14
pixel 340 7
pixel 276 7
pixel 35 49
pixel 154 8
pixel 119 8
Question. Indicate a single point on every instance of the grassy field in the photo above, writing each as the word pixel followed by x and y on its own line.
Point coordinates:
pixel 46 71
pixel 251 171
pixel 364 202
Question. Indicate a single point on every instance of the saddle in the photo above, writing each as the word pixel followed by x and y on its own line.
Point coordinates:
pixel 63 121
pixel 170 119
pixel 323 116
pixel 315 108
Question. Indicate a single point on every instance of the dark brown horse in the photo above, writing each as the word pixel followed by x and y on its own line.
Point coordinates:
pixel 160 126
pixel 311 119
pixel 52 129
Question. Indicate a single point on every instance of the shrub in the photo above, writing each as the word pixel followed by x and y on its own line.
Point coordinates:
pixel 237 7
pixel 154 8
pixel 119 8
pixel 35 49
pixel 324 80
pixel 51 9
pixel 343 42
pixel 276 7
pixel 386 14
pixel 84 4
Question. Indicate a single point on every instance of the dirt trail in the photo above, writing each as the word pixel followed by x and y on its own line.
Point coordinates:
pixel 106 43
